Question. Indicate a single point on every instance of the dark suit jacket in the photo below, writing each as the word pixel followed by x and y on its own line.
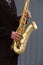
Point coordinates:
pixel 8 23
pixel 8 18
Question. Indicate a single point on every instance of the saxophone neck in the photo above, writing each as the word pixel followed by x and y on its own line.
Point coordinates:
pixel 27 2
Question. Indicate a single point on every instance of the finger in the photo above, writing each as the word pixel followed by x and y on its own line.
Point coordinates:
pixel 16 38
pixel 18 33
pixel 19 37
pixel 29 14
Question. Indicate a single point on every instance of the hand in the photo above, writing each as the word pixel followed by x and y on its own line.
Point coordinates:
pixel 29 14
pixel 15 36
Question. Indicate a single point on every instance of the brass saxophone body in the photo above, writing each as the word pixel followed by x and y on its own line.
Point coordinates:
pixel 19 46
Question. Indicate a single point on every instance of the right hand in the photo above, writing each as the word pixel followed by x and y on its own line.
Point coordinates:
pixel 16 36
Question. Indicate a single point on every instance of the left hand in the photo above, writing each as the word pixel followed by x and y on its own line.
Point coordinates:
pixel 29 14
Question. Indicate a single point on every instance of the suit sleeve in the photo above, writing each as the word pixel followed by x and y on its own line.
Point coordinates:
pixel 6 31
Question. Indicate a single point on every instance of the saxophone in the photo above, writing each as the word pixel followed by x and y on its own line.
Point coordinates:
pixel 19 46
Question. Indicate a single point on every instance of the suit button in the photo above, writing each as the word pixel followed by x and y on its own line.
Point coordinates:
pixel 11 13
pixel 1 3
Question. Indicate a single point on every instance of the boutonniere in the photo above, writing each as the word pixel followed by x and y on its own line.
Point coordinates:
pixel 8 1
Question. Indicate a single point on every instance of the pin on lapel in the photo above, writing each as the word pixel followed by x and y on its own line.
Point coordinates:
pixel 8 1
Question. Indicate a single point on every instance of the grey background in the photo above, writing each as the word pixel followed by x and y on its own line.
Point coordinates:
pixel 33 54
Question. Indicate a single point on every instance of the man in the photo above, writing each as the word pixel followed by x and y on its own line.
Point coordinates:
pixel 9 22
